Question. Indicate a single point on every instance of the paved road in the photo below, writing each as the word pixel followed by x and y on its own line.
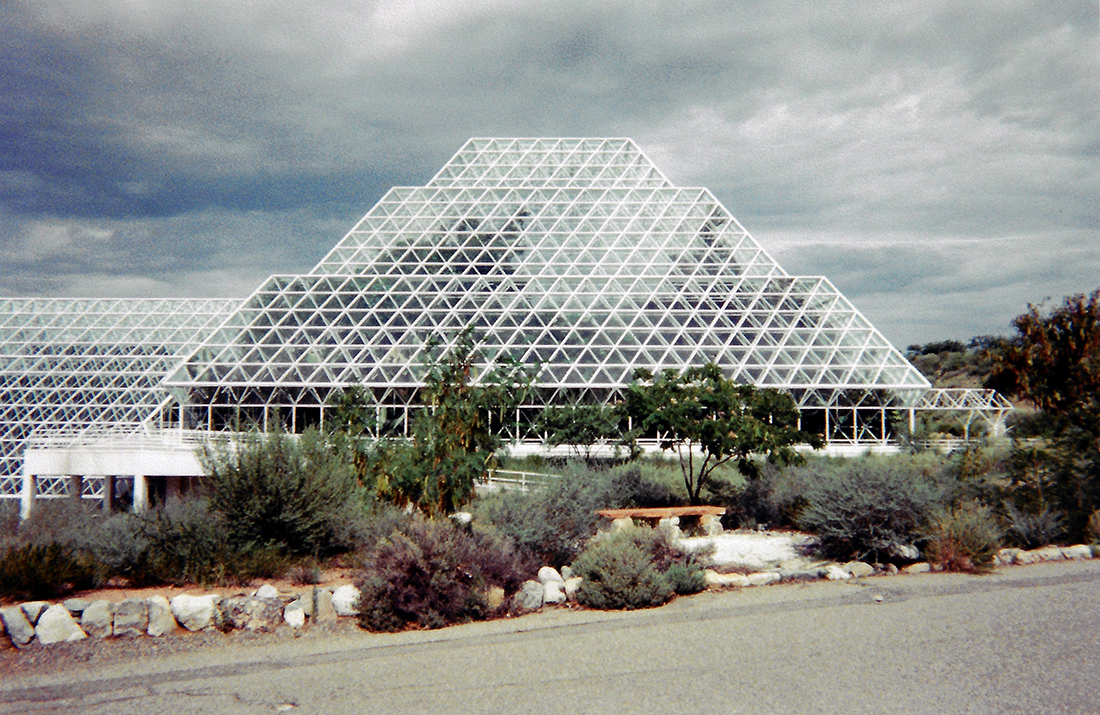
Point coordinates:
pixel 1024 640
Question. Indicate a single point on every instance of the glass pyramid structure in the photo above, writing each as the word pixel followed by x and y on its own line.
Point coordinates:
pixel 577 257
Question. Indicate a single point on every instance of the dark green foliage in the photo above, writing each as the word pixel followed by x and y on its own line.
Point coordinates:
pixel 283 492
pixel 581 427
pixel 40 571
pixel 686 578
pixel 187 543
pixel 963 538
pixel 619 573
pixel 456 435
pixel 858 508
pixel 1054 362
pixel 629 487
pixel 700 410
pixel 433 574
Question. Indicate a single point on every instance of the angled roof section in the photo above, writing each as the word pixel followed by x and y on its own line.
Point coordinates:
pixel 69 363
pixel 577 255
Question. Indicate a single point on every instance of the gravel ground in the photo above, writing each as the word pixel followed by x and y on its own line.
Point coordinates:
pixel 754 550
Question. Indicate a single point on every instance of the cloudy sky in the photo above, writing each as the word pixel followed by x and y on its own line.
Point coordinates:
pixel 938 161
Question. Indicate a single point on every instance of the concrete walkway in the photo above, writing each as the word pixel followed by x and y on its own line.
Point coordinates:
pixel 1025 639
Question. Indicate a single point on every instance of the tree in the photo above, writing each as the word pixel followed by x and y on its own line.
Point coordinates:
pixel 1054 362
pixel 582 427
pixel 710 420
pixel 457 433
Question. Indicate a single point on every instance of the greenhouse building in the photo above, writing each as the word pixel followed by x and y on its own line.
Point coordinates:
pixel 576 257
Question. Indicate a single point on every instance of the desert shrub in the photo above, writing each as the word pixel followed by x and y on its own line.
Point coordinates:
pixel 858 508
pixel 963 538
pixel 686 578
pixel 432 574
pixel 44 571
pixel 619 573
pixel 291 493
pixel 118 547
pixel 1032 530
pixel 553 523
pixel 636 486
pixel 1093 530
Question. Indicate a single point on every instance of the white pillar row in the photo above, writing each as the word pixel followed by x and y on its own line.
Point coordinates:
pixel 141 493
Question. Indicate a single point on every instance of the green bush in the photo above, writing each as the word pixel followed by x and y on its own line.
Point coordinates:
pixel 1032 530
pixel 44 571
pixel 963 538
pixel 638 487
pixel 279 491
pixel 619 573
pixel 186 543
pixel 859 508
pixel 433 574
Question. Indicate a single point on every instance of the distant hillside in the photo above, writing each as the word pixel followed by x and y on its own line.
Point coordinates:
pixel 950 363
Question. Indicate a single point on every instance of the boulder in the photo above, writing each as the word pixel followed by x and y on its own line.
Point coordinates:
pixel 266 591
pixel 1005 557
pixel 529 597
pixel 97 620
pixel 711 524
pixel 858 569
pixel 836 573
pixel 306 602
pixel 19 629
pixel 345 600
pixel 571 585
pixel 921 567
pixel 323 610
pixel 56 625
pixel 623 522
pixel 161 620
pixel 1023 558
pixel 903 552
pixel 33 610
pixel 494 597
pixel 566 573
pixel 248 613
pixel 1080 551
pixel 553 592
pixel 762 578
pixel 295 615
pixel 549 574
pixel 891 570
pixel 131 617
pixel 195 612
pixel 1049 553
pixel 725 580
pixel 75 606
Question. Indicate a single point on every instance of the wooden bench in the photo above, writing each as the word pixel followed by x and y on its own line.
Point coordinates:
pixel 706 517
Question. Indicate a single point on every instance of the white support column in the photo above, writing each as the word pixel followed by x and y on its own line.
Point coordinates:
pixel 108 502
pixel 141 493
pixel 26 498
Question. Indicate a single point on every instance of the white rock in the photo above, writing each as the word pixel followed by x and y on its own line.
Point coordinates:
pixel 295 615
pixel 1024 558
pixel 323 611
pixel 33 610
pixel 462 517
pixel 98 619
pixel 345 600
pixel 529 597
pixel 566 572
pixel 548 574
pixel 16 624
pixel 1080 551
pixel 623 522
pixel 725 580
pixel 494 597
pixel 922 567
pixel 762 578
pixel 1005 557
pixel 161 620
pixel 836 573
pixel 553 592
pixel 1049 553
pixel 56 625
pixel 195 612
pixel 267 591
pixel 571 585
pixel 858 568
pixel 131 617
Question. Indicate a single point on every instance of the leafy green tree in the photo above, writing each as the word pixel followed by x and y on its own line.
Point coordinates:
pixel 457 433
pixel 1054 362
pixel 710 420
pixel 581 427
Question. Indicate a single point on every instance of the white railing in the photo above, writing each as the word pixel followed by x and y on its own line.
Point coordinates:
pixel 505 479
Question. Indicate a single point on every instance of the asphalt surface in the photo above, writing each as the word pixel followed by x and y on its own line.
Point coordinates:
pixel 1023 640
